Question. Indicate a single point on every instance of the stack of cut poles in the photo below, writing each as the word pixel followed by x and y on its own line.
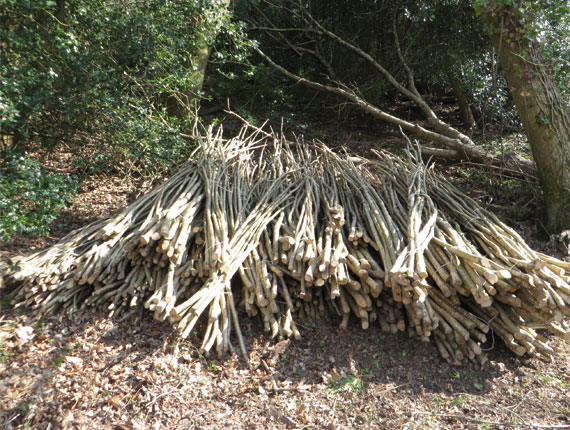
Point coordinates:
pixel 306 232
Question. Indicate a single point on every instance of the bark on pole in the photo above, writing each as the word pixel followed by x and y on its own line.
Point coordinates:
pixel 539 104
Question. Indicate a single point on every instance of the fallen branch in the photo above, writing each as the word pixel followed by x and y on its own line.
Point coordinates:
pixel 460 146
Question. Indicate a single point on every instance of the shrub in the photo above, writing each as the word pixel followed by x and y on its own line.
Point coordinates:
pixel 30 197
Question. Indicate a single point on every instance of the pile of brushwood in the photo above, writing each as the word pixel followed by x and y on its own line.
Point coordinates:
pixel 304 231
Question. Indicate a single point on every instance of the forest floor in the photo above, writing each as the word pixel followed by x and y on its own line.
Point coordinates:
pixel 91 372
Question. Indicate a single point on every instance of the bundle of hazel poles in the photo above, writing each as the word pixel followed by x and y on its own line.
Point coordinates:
pixel 289 233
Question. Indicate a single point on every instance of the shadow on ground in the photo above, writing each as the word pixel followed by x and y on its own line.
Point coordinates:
pixel 89 371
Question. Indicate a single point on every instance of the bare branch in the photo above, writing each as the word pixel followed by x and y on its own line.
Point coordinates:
pixel 434 122
pixel 464 151
pixel 378 113
pixel 411 81
pixel 433 129
pixel 387 75
pixel 322 60
pixel 285 30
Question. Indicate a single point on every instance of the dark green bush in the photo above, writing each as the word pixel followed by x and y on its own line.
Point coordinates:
pixel 30 197
pixel 110 76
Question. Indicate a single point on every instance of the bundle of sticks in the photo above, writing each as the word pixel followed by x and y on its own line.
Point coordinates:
pixel 294 232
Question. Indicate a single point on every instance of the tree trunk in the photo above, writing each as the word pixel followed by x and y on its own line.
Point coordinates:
pixel 198 61
pixel 178 105
pixel 462 97
pixel 539 104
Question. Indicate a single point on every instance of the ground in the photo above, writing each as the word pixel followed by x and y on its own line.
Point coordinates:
pixel 87 371
pixel 90 372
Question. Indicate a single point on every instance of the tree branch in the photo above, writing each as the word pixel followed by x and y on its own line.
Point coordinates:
pixel 411 81
pixel 412 94
pixel 464 151
pixel 322 60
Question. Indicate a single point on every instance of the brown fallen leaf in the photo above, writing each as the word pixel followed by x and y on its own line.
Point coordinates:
pixel 302 413
pixel 115 401
pixel 278 350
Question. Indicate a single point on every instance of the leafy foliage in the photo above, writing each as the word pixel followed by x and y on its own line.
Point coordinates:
pixel 30 197
pixel 114 76
pixel 352 384
pixel 545 24
pixel 256 91
pixel 554 38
